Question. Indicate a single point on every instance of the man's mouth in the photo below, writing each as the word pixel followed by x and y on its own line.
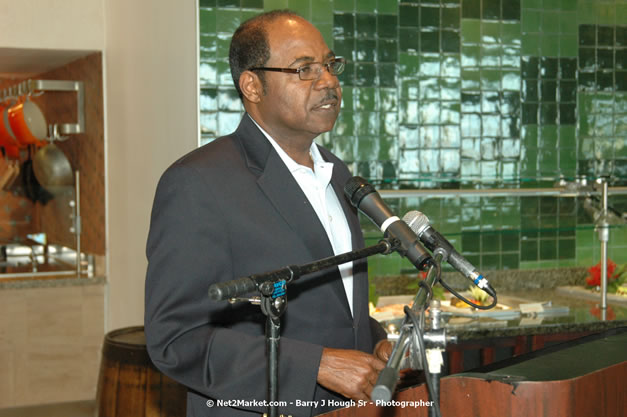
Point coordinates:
pixel 326 106
pixel 329 102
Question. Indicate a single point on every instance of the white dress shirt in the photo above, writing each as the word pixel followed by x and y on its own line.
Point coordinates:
pixel 316 184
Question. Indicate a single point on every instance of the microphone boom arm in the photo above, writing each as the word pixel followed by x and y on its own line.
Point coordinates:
pixel 240 286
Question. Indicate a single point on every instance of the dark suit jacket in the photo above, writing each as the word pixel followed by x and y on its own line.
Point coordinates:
pixel 227 210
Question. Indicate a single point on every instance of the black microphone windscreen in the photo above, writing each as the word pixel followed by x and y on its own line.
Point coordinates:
pixel 356 189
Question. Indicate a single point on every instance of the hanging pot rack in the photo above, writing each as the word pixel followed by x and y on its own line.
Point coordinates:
pixel 37 87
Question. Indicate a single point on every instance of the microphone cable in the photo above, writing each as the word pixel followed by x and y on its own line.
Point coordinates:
pixel 467 301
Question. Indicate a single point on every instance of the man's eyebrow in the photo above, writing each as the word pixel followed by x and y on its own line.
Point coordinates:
pixel 331 54
pixel 303 59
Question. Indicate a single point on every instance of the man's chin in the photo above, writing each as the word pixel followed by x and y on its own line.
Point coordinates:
pixel 326 129
pixel 326 122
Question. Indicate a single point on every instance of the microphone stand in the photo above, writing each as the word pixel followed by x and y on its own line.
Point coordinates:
pixel 272 287
pixel 425 347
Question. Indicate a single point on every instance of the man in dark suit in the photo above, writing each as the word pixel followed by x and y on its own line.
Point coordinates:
pixel 251 202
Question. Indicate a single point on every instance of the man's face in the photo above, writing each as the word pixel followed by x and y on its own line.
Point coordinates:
pixel 294 109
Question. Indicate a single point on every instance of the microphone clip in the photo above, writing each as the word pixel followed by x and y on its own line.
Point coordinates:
pixel 441 251
pixel 392 244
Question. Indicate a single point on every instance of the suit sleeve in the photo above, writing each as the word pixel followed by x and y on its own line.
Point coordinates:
pixel 378 332
pixel 189 249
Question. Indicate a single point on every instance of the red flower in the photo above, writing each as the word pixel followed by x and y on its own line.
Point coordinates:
pixel 596 312
pixel 594 279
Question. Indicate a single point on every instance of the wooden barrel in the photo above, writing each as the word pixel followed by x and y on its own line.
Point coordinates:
pixel 129 385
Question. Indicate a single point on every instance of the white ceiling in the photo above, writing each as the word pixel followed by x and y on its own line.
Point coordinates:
pixel 18 63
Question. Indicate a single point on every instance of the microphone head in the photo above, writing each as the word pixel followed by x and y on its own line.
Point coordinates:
pixel 417 221
pixel 356 189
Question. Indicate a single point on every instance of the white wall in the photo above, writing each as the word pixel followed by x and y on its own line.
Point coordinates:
pixel 150 109
pixel 52 24
pixel 151 119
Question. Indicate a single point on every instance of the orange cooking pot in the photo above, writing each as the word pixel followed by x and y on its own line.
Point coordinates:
pixel 7 138
pixel 28 123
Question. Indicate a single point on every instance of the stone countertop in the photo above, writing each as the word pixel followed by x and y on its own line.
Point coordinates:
pixel 582 316
pixel 504 281
pixel 570 315
pixel 49 282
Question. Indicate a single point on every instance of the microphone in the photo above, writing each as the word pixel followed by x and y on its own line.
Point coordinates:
pixel 434 241
pixel 367 200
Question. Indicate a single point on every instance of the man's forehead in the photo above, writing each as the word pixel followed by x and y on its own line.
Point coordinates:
pixel 297 38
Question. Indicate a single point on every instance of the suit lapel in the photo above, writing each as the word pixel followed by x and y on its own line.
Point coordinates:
pixel 288 198
pixel 280 187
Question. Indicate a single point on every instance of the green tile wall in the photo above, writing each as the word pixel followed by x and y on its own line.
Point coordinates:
pixel 459 94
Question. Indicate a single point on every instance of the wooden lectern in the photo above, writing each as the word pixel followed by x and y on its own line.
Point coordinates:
pixel 586 377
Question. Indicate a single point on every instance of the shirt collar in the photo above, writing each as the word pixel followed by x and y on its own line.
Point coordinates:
pixel 292 165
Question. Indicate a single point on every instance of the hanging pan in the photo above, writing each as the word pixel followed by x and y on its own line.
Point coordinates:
pixel 51 167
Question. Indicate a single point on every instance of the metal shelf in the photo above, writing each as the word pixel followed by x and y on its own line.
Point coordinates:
pixel 500 192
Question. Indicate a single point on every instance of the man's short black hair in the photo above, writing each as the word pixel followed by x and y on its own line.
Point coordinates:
pixel 249 45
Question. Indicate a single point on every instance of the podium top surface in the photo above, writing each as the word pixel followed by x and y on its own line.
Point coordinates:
pixel 565 361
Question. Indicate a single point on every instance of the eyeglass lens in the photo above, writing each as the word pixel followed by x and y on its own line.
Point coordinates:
pixel 314 70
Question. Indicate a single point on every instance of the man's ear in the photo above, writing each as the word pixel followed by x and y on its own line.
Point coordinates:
pixel 251 87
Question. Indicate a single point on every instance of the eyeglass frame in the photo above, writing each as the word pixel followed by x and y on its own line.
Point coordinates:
pixel 299 69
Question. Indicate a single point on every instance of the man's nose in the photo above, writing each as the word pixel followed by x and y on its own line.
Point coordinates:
pixel 326 79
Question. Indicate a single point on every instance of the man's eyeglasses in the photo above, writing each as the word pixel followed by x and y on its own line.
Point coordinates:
pixel 311 71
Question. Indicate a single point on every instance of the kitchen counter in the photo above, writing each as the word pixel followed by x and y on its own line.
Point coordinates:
pixel 580 315
pixel 489 336
pixel 566 314
pixel 34 265
pixel 49 282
